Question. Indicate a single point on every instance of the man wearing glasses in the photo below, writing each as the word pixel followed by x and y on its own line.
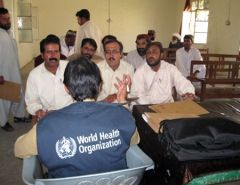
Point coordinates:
pixel 112 69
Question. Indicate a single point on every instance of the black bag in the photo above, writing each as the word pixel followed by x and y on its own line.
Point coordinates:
pixel 191 139
pixel 197 146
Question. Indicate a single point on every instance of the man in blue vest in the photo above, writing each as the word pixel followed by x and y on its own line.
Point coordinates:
pixel 87 136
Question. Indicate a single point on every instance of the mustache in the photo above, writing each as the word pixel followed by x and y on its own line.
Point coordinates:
pixel 53 59
pixel 111 58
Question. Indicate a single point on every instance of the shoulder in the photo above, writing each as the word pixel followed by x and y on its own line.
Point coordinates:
pixel 36 72
pixel 195 50
pixel 167 66
pixel 126 65
pixel 101 64
pixel 179 50
pixel 131 53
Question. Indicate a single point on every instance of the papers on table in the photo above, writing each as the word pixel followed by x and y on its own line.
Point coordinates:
pixel 181 109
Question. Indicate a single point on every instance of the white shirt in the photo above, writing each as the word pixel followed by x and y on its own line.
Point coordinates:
pixel 109 77
pixel 183 61
pixel 88 30
pixel 156 87
pixel 65 50
pixel 135 59
pixel 45 90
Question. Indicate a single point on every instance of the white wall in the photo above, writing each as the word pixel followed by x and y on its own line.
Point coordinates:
pixel 222 38
pixel 131 17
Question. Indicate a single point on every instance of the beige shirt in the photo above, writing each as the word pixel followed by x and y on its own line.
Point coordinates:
pixel 109 77
pixel 45 90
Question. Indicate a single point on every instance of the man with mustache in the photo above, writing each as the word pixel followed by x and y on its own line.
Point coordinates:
pixel 153 82
pixel 45 89
pixel 9 71
pixel 137 57
pixel 112 69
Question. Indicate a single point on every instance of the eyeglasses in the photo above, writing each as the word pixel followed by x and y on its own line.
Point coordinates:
pixel 113 52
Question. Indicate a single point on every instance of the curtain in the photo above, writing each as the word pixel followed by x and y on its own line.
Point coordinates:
pixel 187 7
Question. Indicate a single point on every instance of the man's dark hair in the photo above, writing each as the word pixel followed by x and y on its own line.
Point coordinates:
pixel 158 44
pixel 107 38
pixel 190 37
pixel 83 79
pixel 83 13
pixel 90 41
pixel 113 41
pixel 71 33
pixel 143 36
pixel 42 45
pixel 3 10
pixel 50 39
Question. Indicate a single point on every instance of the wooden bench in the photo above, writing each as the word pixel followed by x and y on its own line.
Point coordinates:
pixel 224 72
pixel 220 57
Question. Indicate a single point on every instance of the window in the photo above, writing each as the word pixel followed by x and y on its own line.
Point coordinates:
pixel 195 21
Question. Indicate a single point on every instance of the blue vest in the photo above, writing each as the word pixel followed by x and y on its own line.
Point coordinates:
pixel 85 138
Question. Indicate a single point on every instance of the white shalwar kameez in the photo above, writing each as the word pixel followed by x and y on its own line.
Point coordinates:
pixel 9 68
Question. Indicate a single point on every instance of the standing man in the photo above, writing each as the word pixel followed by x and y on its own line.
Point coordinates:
pixel 67 43
pixel 137 57
pixel 9 70
pixel 185 55
pixel 45 89
pixel 153 82
pixel 112 69
pixel 87 30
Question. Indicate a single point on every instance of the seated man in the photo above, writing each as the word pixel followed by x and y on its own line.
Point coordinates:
pixel 153 82
pixel 185 55
pixel 88 49
pixel 176 41
pixel 137 57
pixel 45 88
pixel 104 40
pixel 39 59
pixel 67 43
pixel 85 137
pixel 111 69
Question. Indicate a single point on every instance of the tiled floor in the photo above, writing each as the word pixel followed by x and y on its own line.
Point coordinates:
pixel 10 167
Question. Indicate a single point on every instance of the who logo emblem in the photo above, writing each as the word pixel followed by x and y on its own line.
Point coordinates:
pixel 66 147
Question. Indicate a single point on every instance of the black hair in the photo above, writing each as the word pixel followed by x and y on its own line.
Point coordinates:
pixel 50 39
pixel 158 44
pixel 83 79
pixel 83 13
pixel 108 37
pixel 143 36
pixel 113 41
pixel 42 45
pixel 190 37
pixel 3 10
pixel 90 41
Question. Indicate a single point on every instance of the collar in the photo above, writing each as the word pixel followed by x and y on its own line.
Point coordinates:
pixel 89 100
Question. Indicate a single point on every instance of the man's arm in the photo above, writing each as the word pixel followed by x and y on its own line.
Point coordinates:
pixel 26 145
pixel 31 97
pixel 183 86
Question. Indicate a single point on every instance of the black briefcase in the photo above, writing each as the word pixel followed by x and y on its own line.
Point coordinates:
pixel 196 146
